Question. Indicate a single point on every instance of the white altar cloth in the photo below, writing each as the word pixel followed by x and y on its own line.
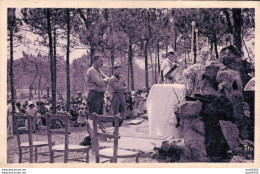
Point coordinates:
pixel 161 103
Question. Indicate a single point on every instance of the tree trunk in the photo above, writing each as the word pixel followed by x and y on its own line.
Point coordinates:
pixel 130 63
pixel 185 58
pixel 215 45
pixel 195 48
pixel 11 23
pixel 39 88
pixel 48 92
pixel 151 57
pixel 175 41
pixel 211 46
pixel 230 28
pixel 92 53
pixel 128 77
pixel 238 21
pixel 68 60
pixel 55 59
pixel 112 59
pixel 53 86
pixel 166 49
pixel 146 63
pixel 158 57
pixel 155 68
pixel 31 85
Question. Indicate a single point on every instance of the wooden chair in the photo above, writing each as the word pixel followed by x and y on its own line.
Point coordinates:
pixel 30 144
pixel 66 147
pixel 111 153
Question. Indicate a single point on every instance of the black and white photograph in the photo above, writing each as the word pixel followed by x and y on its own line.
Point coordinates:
pixel 130 85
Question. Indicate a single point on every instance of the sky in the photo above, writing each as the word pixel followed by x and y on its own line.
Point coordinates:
pixel 29 48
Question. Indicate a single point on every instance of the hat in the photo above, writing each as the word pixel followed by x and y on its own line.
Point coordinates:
pixel 30 103
pixel 79 92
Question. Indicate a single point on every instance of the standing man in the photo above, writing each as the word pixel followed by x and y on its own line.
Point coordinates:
pixel 32 111
pixel 96 81
pixel 168 67
pixel 117 87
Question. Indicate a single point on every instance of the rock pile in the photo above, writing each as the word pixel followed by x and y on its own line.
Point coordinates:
pixel 213 123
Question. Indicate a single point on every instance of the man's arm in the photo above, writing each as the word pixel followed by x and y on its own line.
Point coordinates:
pixel 116 84
pixel 97 79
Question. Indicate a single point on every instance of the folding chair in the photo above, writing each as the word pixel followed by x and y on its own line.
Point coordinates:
pixel 66 147
pixel 30 144
pixel 111 153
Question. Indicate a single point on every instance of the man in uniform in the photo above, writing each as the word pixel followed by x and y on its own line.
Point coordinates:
pixel 117 87
pixel 96 81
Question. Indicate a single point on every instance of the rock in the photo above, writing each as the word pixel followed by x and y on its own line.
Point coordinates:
pixel 170 151
pixel 211 69
pixel 193 132
pixel 218 108
pixel 229 79
pixel 250 86
pixel 230 132
pixel 210 85
pixel 189 109
pixel 230 85
pixel 231 58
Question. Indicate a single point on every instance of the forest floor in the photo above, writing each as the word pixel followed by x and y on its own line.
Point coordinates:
pixel 133 137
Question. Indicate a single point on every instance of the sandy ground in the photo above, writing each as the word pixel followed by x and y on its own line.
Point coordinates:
pixel 131 138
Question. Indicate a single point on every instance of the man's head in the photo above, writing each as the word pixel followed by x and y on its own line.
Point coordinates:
pixel 98 61
pixel 79 94
pixel 18 105
pixel 117 70
pixel 30 104
pixel 172 56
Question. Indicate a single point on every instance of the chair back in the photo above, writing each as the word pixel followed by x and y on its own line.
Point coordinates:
pixel 29 119
pixel 114 119
pixel 63 131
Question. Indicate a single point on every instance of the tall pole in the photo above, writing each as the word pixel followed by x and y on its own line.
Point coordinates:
pixel 197 43
pixel 192 37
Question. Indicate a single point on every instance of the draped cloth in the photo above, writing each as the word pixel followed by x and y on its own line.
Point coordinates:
pixel 161 104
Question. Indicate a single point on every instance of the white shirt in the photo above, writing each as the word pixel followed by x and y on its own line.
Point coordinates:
pixel 166 67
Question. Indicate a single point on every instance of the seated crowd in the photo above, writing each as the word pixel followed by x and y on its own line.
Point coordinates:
pixel 78 110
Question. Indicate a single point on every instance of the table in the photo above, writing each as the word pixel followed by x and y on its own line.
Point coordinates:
pixel 161 104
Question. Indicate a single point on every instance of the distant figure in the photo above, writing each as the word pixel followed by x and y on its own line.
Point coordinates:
pixel 117 87
pixel 129 106
pixel 167 65
pixel 81 121
pixel 107 102
pixel 31 111
pixel 142 102
pixel 10 117
pixel 78 100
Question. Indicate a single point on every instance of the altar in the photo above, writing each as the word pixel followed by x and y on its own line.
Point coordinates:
pixel 161 104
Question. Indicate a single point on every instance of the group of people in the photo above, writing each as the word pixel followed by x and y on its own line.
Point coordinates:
pixel 38 110
pixel 110 94
pixel 105 95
